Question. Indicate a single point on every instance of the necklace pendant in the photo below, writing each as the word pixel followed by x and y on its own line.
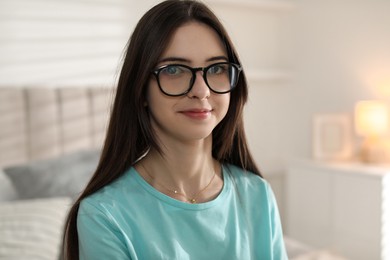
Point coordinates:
pixel 175 191
pixel 193 201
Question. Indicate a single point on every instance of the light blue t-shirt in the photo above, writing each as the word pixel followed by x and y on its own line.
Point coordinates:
pixel 129 219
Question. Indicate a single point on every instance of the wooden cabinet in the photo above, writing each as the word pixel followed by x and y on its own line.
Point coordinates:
pixel 342 207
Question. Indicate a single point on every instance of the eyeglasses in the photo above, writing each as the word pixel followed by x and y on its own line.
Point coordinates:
pixel 178 79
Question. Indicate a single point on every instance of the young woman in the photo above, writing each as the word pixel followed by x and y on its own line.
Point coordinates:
pixel 176 179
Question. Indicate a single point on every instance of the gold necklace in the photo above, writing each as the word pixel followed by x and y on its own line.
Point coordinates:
pixel 189 199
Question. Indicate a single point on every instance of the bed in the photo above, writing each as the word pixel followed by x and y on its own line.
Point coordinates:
pixel 50 141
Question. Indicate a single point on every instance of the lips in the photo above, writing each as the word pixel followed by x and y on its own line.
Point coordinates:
pixel 196 113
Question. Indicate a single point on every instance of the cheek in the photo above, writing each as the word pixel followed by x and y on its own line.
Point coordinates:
pixel 224 103
pixel 156 101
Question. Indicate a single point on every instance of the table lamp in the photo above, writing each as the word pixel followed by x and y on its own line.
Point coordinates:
pixel 372 123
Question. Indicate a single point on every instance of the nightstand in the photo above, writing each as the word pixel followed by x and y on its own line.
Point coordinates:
pixel 344 207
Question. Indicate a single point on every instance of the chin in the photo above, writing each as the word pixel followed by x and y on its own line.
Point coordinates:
pixel 197 135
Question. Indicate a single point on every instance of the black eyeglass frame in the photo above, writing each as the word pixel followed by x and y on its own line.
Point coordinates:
pixel 157 71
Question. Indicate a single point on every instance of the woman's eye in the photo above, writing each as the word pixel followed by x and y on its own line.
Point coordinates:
pixel 217 69
pixel 172 70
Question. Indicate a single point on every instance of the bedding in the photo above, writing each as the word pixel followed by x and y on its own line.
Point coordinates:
pixel 49 147
pixel 32 229
pixel 62 176
pixel 34 200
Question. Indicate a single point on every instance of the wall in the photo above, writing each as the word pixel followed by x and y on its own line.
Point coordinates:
pixel 57 42
pixel 341 55
pixel 338 55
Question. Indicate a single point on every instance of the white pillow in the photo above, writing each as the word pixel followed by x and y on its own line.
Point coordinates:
pixel 32 229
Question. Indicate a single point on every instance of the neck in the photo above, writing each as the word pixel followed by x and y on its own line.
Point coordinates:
pixel 180 166
pixel 187 168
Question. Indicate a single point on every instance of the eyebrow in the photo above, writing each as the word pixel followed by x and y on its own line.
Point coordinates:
pixel 180 59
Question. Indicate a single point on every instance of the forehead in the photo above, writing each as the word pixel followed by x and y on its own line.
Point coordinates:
pixel 196 42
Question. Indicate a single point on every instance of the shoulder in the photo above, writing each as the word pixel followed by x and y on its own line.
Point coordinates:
pixel 248 184
pixel 109 197
pixel 244 177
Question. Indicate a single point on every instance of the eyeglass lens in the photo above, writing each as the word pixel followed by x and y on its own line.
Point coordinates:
pixel 178 79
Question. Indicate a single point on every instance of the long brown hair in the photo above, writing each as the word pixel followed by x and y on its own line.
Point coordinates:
pixel 129 133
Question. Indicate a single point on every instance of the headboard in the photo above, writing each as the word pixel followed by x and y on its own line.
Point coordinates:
pixel 39 123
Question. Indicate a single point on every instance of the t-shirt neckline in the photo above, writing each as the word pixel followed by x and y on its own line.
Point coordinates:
pixel 180 204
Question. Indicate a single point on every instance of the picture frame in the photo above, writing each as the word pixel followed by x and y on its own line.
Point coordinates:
pixel 332 137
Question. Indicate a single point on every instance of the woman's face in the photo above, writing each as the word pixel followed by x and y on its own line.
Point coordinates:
pixel 192 116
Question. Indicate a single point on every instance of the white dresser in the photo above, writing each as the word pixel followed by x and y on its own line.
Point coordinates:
pixel 343 207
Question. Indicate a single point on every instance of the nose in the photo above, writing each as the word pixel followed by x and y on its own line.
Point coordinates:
pixel 200 89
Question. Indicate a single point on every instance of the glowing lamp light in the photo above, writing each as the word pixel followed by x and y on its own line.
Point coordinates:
pixel 371 118
pixel 372 123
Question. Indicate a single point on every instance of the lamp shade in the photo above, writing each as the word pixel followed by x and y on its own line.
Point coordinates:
pixel 371 118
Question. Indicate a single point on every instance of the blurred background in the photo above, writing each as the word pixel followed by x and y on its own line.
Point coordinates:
pixel 308 64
